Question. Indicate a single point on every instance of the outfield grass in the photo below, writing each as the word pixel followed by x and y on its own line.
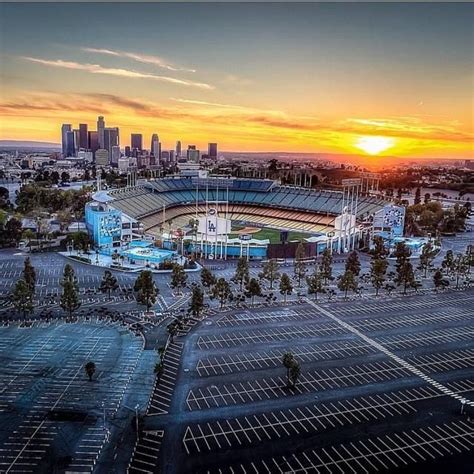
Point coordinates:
pixel 271 234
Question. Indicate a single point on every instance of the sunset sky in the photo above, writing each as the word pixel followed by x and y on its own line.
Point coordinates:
pixel 386 79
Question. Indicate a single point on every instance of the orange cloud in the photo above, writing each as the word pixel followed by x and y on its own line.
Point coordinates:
pixel 235 126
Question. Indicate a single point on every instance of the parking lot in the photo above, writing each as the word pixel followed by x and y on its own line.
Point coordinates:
pixel 49 270
pixel 51 415
pixel 382 388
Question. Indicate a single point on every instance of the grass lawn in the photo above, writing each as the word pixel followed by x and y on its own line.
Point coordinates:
pixel 271 234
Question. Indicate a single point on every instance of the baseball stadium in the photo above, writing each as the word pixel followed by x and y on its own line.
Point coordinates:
pixel 229 217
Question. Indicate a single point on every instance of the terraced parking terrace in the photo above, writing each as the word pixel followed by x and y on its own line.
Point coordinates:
pixel 385 385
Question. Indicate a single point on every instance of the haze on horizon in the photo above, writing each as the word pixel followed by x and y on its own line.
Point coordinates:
pixel 380 79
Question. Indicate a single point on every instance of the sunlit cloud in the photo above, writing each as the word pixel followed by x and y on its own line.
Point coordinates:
pixel 126 73
pixel 38 115
pixel 141 58
pixel 408 127
pixel 240 108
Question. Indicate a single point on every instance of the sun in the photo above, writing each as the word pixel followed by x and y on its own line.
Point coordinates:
pixel 374 145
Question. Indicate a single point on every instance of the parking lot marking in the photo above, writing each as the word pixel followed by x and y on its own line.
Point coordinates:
pixel 383 349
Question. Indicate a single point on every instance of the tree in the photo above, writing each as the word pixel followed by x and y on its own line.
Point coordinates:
pixel 427 256
pixel 174 327
pixel 378 269
pixel 448 262
pixel 4 198
pixel 417 199
pixel 353 263
pixel 270 272
pixel 253 289
pixel 241 275
pixel 439 280
pixel 293 368
pixel 300 265
pixel 469 257
pixel 347 281
pixel 315 284
pixel 29 275
pixel 404 270
pixel 90 370
pixel 108 283
pixel 288 360
pixel 69 300
pixel 145 289
pixel 207 278
pixel 22 298
pixel 286 287
pixel 295 371
pixel 460 267
pixel 379 250
pixel 196 304
pixel 178 277
pixel 326 266
pixel 68 273
pixel 80 240
pixel 221 291
pixel 29 235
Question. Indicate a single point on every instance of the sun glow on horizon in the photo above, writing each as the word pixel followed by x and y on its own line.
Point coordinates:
pixel 374 145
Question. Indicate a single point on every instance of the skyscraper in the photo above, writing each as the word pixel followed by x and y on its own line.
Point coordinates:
pixel 154 138
pixel 76 141
pixel 156 148
pixel 70 147
pixel 136 141
pixel 115 155
pixel 178 150
pixel 100 131
pixel 66 127
pixel 83 142
pixel 111 138
pixel 212 151
pixel 93 141
pixel 193 154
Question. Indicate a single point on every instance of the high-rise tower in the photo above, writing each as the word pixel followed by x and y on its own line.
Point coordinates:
pixel 136 141
pixel 66 127
pixel 156 147
pixel 100 131
pixel 83 138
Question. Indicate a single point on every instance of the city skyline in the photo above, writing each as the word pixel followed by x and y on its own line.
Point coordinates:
pixel 379 79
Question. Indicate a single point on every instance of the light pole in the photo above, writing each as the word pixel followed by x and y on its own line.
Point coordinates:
pixel 136 419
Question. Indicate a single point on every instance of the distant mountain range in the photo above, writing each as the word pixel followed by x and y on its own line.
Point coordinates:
pixel 22 144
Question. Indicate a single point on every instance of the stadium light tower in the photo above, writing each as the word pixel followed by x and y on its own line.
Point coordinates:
pixel 370 183
pixel 347 221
